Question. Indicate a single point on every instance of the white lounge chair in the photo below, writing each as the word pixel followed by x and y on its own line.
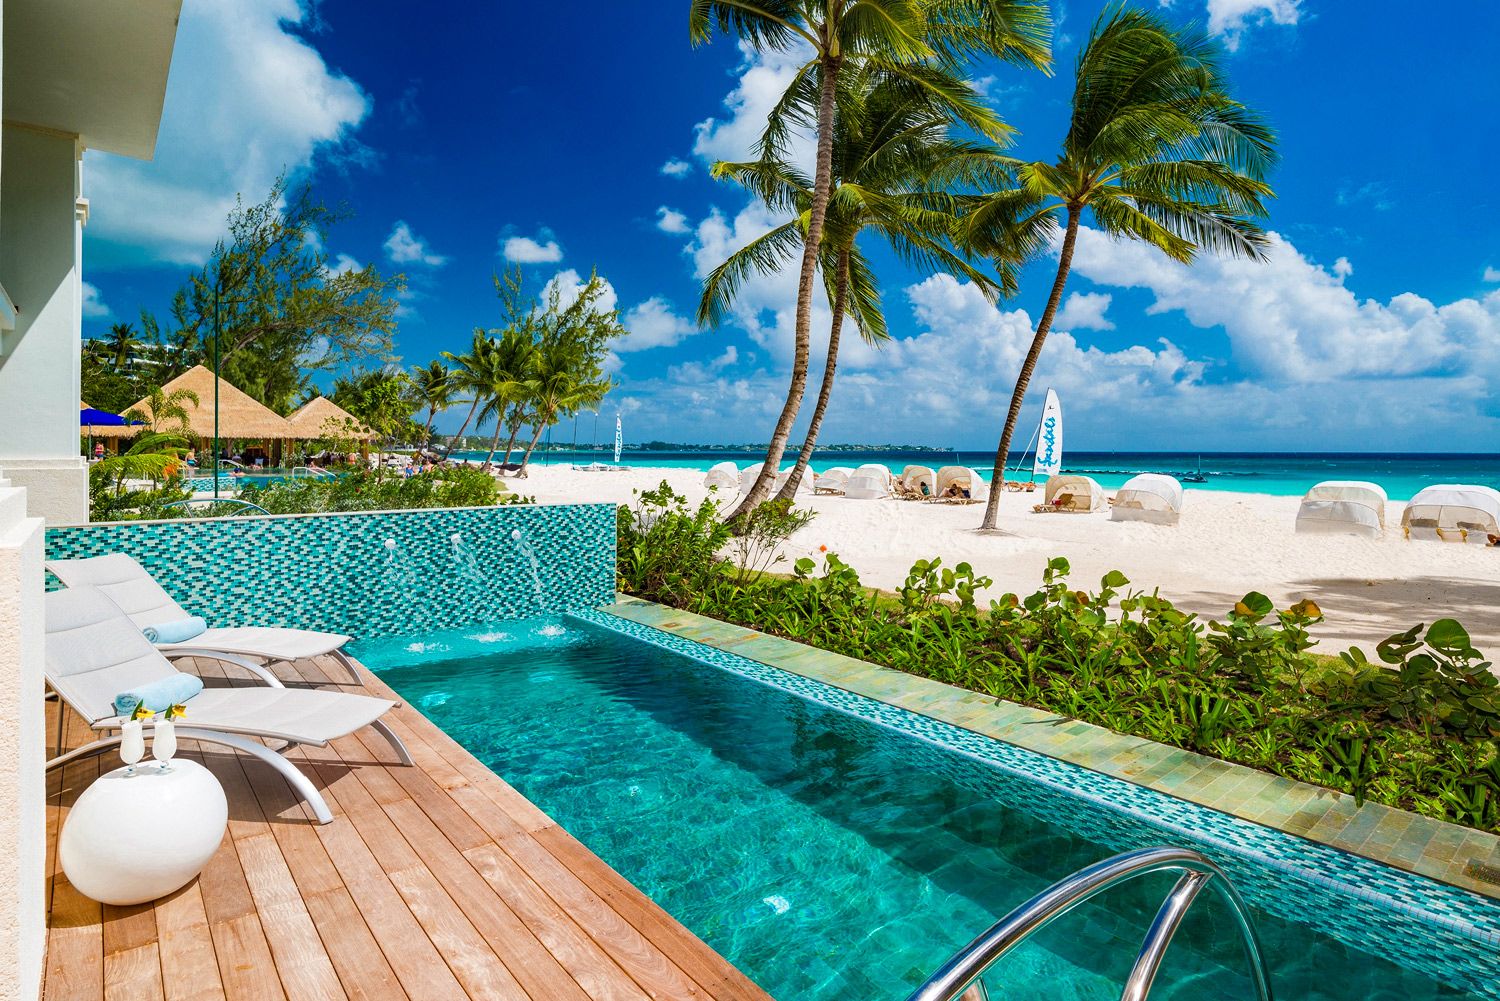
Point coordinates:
pixel 129 585
pixel 94 652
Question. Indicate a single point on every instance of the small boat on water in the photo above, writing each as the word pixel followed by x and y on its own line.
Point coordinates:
pixel 1196 476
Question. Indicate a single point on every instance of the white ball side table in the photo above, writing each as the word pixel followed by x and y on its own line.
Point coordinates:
pixel 133 838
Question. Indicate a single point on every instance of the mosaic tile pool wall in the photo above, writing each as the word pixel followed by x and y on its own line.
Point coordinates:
pixel 370 574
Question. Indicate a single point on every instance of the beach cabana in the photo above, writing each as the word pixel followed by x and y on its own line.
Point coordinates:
pixel 320 418
pixel 749 475
pixel 1073 495
pixel 722 476
pixel 869 482
pixel 1343 507
pixel 806 485
pixel 1453 512
pixel 834 480
pixel 240 417
pixel 1149 497
pixel 960 483
pixel 919 482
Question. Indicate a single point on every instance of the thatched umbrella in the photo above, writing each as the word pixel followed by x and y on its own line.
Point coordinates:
pixel 240 416
pixel 320 417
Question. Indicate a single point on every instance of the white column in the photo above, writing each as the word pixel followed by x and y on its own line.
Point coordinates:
pixel 23 829
pixel 40 248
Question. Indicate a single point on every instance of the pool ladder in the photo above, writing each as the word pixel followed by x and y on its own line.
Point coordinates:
pixel 960 978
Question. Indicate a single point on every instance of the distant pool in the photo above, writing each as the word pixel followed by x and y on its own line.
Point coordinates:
pixel 833 853
pixel 201 484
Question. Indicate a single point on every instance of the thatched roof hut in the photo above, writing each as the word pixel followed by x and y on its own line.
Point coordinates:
pixel 320 417
pixel 240 416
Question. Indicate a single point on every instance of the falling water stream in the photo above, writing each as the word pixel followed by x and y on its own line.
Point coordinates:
pixel 524 545
pixel 398 567
pixel 466 562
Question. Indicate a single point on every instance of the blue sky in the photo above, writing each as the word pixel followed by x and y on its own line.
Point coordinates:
pixel 579 138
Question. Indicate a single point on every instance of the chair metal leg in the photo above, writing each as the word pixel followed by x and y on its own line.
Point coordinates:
pixel 402 754
pixel 259 670
pixel 299 782
pixel 86 751
pixel 348 663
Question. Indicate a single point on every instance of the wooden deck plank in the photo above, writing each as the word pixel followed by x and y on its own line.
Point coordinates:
pixel 438 882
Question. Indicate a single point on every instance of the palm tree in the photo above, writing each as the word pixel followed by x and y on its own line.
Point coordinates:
pixel 1156 150
pixel 432 388
pixel 166 412
pixel 892 149
pixel 122 343
pixel 563 381
pixel 507 382
pixel 468 377
pixel 921 41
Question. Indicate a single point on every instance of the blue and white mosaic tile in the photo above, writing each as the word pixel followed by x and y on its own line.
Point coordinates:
pixel 370 574
pixel 1440 930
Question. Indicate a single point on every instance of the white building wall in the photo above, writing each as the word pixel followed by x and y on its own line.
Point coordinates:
pixel 23 829
pixel 40 258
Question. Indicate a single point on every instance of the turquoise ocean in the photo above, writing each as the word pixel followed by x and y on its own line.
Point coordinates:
pixel 1287 474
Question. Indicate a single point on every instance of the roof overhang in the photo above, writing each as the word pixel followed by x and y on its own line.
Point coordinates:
pixel 96 69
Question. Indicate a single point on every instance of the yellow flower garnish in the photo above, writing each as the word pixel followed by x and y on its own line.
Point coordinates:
pixel 141 712
pixel 176 712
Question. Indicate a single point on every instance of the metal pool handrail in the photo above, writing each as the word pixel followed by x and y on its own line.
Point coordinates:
pixel 962 973
pixel 215 501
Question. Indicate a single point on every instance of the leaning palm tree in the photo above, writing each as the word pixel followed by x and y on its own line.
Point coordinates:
pixel 468 376
pixel 924 42
pixel 564 380
pixel 433 388
pixel 507 383
pixel 166 412
pixel 892 156
pixel 1156 151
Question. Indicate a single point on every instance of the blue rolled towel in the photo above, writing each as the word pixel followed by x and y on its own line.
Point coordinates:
pixel 159 695
pixel 176 631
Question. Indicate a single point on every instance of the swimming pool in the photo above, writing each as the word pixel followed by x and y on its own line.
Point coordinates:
pixel 834 847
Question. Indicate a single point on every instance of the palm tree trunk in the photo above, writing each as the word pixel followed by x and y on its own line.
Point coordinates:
pixel 495 441
pixel 526 459
pixel 1002 454
pixel 840 295
pixel 427 428
pixel 822 187
pixel 515 429
pixel 462 428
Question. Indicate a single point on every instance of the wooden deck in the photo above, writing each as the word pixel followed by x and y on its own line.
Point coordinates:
pixel 437 883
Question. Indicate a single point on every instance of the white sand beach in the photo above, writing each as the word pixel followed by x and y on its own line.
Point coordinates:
pixel 1225 545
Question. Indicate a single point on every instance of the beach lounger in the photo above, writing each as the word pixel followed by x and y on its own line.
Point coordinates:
pixel 130 586
pixel 94 653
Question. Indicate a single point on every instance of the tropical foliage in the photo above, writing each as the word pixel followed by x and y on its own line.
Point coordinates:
pixel 924 45
pixel 892 159
pixel 139 481
pixel 1420 730
pixel 167 412
pixel 1156 151
pixel 461 486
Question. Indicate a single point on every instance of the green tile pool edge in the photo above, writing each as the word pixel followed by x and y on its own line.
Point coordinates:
pixel 1407 841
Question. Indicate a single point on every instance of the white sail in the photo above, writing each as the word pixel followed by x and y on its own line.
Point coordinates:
pixel 619 440
pixel 1049 441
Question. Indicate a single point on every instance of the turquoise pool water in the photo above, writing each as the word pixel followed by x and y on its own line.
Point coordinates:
pixel 831 858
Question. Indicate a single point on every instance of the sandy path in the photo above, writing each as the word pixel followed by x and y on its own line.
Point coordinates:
pixel 1225 545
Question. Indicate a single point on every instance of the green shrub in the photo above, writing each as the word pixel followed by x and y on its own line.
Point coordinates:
pixel 1419 732
pixel 461 486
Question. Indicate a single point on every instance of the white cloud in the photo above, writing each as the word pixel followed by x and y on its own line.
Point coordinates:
pixel 405 247
pixel 525 250
pixel 764 77
pixel 654 324
pixel 247 99
pixel 677 168
pixel 1084 311
pixel 94 306
pixel 1232 18
pixel 669 220
pixel 570 283
pixel 1491 274
pixel 1293 321
pixel 342 264
pixel 1375 194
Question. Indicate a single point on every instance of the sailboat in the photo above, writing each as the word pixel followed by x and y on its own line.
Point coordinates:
pixel 1048 439
pixel 604 467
